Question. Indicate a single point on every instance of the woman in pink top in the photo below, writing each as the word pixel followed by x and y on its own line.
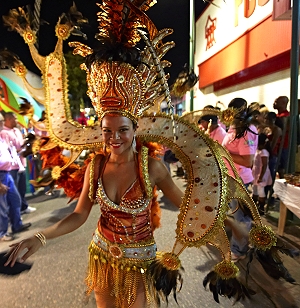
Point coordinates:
pixel 241 142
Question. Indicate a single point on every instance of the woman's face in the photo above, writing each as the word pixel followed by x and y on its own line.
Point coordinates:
pixel 117 133
pixel 203 125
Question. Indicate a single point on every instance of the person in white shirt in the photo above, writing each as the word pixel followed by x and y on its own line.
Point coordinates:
pixel 13 136
pixel 10 201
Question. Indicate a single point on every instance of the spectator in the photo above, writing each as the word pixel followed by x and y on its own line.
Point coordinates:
pixel 274 134
pixel 40 128
pixel 209 123
pixel 241 142
pixel 10 201
pixel 280 104
pixel 261 172
pixel 13 136
pixel 261 119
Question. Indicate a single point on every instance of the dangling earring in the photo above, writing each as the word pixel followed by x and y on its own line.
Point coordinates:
pixel 104 148
pixel 133 144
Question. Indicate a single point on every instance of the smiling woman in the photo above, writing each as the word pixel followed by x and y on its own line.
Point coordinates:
pixel 124 269
pixel 123 178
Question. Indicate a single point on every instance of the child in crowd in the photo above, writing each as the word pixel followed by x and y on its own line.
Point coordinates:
pixel 261 172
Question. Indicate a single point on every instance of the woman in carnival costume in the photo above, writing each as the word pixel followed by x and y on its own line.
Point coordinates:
pixel 125 270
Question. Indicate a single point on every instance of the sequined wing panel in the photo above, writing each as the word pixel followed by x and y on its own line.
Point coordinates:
pixel 205 201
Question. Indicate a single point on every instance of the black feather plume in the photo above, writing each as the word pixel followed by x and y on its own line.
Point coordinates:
pixel 165 280
pixel 231 288
pixel 272 262
pixel 8 59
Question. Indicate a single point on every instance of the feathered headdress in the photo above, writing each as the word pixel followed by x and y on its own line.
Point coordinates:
pixel 122 79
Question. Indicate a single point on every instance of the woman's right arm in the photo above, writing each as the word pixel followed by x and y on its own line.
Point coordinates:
pixel 68 224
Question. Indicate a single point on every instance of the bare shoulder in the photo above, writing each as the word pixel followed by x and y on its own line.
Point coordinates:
pixel 157 170
pixel 154 164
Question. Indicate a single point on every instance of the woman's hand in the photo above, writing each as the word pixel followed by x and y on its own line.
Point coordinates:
pixel 3 189
pixel 31 245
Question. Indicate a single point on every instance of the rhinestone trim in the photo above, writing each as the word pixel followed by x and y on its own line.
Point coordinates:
pixel 139 251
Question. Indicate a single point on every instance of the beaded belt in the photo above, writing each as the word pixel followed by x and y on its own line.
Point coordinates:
pixel 145 251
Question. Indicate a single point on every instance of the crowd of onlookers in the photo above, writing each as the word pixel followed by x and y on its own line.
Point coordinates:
pixel 257 141
pixel 271 146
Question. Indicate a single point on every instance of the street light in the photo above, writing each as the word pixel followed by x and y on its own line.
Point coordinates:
pixel 192 47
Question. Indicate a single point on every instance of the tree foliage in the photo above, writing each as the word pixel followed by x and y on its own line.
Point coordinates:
pixel 76 83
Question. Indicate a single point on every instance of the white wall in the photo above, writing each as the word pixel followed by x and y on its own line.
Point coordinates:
pixel 263 90
pixel 230 25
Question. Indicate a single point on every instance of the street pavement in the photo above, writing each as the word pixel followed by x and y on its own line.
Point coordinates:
pixel 56 279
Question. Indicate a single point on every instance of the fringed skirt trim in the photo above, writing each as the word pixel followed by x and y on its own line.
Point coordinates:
pixel 111 270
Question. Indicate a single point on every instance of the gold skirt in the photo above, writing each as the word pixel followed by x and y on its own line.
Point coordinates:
pixel 120 269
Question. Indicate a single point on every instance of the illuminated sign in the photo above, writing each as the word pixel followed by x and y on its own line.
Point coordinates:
pixel 210 31
pixel 249 8
pixel 223 23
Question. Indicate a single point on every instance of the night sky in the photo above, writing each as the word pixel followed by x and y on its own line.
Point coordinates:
pixel 165 14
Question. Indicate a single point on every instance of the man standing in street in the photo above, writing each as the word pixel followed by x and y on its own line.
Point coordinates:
pixel 13 137
pixel 10 201
pixel 280 104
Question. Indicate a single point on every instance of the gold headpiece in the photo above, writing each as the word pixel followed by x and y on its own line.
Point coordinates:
pixel 120 78
pixel 115 87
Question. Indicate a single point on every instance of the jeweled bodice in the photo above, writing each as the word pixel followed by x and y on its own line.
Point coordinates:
pixel 129 221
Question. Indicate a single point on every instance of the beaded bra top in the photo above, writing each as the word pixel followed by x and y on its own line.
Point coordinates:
pixel 130 220
pixel 132 202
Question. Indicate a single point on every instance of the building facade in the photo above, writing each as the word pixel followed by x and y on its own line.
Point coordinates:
pixel 242 50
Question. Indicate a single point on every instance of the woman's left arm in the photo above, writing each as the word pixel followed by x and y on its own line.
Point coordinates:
pixel 161 177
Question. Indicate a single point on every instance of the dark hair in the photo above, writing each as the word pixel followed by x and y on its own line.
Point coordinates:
pixel 271 116
pixel 237 103
pixel 263 140
pixel 243 118
pixel 279 122
pixel 208 117
pixel 8 115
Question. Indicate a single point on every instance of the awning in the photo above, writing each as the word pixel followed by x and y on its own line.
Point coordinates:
pixel 8 103
pixel 10 94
